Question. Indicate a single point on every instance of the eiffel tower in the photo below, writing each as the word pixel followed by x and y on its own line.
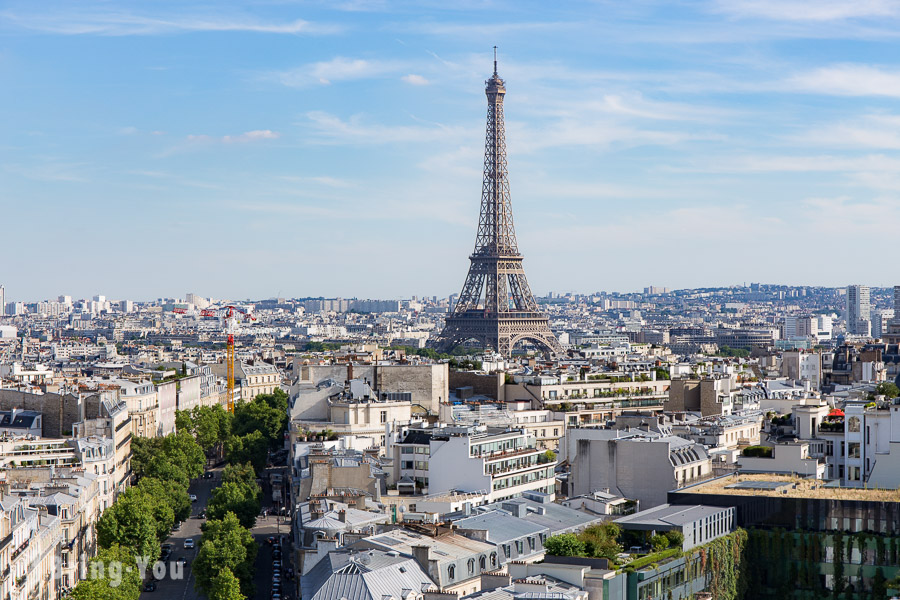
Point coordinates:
pixel 496 306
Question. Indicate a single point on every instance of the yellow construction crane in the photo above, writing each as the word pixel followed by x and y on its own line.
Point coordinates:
pixel 228 313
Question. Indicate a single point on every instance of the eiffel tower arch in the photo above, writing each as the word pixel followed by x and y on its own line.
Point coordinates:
pixel 496 306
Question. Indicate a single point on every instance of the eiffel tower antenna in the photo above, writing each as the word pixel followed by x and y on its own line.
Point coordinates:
pixel 496 307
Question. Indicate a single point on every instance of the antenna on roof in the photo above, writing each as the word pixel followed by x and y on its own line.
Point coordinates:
pixel 495 61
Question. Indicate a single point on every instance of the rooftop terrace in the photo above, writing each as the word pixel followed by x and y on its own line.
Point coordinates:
pixel 788 486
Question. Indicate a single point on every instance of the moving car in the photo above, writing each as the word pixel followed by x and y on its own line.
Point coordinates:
pixel 193 497
pixel 188 544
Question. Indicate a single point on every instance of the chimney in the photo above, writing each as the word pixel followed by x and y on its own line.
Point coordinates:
pixel 422 554
pixel 342 516
pixel 349 370
pixel 361 502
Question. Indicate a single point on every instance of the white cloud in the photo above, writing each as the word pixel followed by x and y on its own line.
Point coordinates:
pixel 119 23
pixel 879 131
pixel 339 68
pixel 414 79
pixel 848 80
pixel 328 128
pixel 248 136
pixel 808 10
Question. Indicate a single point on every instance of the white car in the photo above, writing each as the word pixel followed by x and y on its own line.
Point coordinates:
pixel 193 497
pixel 188 544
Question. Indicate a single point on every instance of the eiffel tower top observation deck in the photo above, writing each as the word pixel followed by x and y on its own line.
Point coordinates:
pixel 496 306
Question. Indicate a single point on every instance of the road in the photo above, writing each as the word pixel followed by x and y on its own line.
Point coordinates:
pixel 183 589
pixel 271 525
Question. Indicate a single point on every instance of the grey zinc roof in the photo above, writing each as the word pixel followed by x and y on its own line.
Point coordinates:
pixel 369 575
pixel 557 518
pixel 667 516
pixel 501 526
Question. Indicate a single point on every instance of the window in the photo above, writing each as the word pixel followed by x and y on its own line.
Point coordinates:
pixel 384 416
pixel 556 433
pixel 471 566
pixel 506 550
pixel 853 424
pixel 520 546
pixel 853 450
pixel 482 563
pixel 451 572
pixel 493 559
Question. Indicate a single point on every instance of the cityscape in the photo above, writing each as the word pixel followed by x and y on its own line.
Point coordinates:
pixel 733 442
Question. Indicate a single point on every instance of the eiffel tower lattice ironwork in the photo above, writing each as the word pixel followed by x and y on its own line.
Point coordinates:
pixel 496 306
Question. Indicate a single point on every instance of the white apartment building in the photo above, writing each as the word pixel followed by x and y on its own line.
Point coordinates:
pixel 253 380
pixel 501 463
pixel 636 464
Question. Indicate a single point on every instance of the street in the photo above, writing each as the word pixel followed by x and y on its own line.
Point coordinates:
pixel 271 525
pixel 183 589
pixel 266 526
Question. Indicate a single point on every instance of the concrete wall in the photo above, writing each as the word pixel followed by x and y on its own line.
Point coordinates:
pixel 429 384
pixel 450 467
pixel 635 469
pixel 59 412
pixel 490 384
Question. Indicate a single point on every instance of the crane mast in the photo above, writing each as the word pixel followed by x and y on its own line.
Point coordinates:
pixel 228 313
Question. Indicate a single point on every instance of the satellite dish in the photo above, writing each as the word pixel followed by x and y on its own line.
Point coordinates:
pixel 364 560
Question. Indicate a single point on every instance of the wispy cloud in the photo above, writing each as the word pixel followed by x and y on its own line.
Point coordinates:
pixel 65 21
pixel 414 79
pixel 875 131
pixel 249 136
pixel 808 10
pixel 339 68
pixel 848 80
pixel 330 129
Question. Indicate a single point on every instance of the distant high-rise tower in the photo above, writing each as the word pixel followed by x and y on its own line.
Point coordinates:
pixel 496 306
pixel 2 301
pixel 859 314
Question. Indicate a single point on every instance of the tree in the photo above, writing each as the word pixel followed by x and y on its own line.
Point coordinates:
pixel 238 498
pixel 225 544
pixel 225 586
pixel 659 543
pixel 172 493
pixel 130 523
pixel 183 450
pixel 675 537
pixel 887 388
pixel 252 448
pixel 601 541
pixel 566 544
pixel 112 575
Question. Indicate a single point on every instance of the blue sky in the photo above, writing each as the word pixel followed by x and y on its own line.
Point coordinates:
pixel 254 149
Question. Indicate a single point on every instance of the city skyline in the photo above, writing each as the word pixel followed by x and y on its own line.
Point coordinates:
pixel 157 148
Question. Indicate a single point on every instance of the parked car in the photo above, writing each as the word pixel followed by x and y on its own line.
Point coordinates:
pixel 208 475
pixel 188 544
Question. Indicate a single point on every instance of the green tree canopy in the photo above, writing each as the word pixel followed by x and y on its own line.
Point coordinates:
pixel 169 492
pixel 252 447
pixel 226 544
pixel 225 586
pixel 238 498
pixel 566 544
pixel 130 523
pixel 112 575
pixel 888 388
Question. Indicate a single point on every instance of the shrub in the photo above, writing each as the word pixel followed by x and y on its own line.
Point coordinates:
pixel 757 451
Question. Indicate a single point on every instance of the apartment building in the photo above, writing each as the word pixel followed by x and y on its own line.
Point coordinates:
pixel 252 380
pixel 637 464
pixel 500 462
